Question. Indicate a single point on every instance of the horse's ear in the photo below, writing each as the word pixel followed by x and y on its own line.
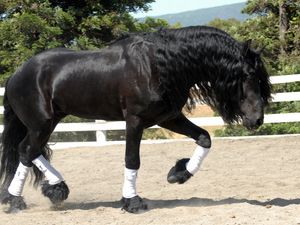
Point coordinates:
pixel 246 46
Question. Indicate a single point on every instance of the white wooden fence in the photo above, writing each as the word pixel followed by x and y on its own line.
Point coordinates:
pixel 102 126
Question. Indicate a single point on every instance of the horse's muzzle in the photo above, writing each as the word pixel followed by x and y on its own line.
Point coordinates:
pixel 253 123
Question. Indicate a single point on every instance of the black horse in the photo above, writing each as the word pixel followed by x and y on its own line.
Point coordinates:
pixel 144 79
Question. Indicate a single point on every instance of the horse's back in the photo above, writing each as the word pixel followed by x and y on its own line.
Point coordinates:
pixel 82 83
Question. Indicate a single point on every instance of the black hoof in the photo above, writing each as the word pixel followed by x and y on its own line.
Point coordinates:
pixel 178 173
pixel 57 193
pixel 16 203
pixel 133 205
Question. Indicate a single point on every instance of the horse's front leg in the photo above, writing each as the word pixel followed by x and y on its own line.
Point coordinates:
pixel 134 130
pixel 187 167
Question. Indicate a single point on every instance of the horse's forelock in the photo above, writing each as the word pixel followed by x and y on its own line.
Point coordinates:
pixel 254 63
pixel 264 80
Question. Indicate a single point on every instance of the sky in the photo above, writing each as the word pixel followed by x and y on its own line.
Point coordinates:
pixel 162 7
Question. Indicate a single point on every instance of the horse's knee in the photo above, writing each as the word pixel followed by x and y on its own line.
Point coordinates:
pixel 204 140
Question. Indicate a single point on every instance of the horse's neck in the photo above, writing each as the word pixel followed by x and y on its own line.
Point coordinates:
pixel 193 66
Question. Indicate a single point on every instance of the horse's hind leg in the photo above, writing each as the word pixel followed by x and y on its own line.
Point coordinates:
pixel 31 151
pixel 11 191
pixel 54 186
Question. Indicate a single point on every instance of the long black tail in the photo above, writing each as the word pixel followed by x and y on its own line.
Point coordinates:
pixel 14 132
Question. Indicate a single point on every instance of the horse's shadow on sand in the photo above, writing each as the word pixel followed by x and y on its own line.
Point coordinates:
pixel 192 202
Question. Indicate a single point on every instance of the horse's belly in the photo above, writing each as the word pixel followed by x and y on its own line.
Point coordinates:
pixel 98 115
pixel 88 112
pixel 89 105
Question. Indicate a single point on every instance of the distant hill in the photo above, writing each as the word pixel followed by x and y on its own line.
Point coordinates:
pixel 203 16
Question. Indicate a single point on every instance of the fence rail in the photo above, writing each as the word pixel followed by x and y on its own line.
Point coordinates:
pixel 285 79
pixel 102 126
pixel 200 121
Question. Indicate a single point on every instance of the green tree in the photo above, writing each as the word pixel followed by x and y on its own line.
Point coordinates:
pixel 231 26
pixel 278 23
pixel 28 27
pixel 151 24
pixel 286 14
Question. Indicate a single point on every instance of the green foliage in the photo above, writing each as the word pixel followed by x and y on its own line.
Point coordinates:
pixel 74 119
pixel 266 129
pixel 155 134
pixel 152 134
pixel 231 26
pixel 22 36
pixel 28 27
pixel 151 24
pixel 78 136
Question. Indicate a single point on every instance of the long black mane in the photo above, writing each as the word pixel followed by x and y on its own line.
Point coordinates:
pixel 205 64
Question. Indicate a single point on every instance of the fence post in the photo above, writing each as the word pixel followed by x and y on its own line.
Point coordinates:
pixel 100 134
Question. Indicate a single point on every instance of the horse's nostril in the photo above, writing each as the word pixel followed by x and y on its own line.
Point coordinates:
pixel 259 122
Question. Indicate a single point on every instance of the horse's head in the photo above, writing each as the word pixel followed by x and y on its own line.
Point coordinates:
pixel 256 89
pixel 251 104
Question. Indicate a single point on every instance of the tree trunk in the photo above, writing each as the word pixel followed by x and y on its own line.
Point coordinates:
pixel 283 26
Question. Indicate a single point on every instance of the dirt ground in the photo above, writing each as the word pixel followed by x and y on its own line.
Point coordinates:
pixel 248 181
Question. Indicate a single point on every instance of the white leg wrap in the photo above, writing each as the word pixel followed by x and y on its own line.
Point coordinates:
pixel 51 174
pixel 195 161
pixel 129 186
pixel 17 184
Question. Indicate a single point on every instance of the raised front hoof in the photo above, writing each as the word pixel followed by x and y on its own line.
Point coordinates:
pixel 133 205
pixel 16 203
pixel 57 193
pixel 178 173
